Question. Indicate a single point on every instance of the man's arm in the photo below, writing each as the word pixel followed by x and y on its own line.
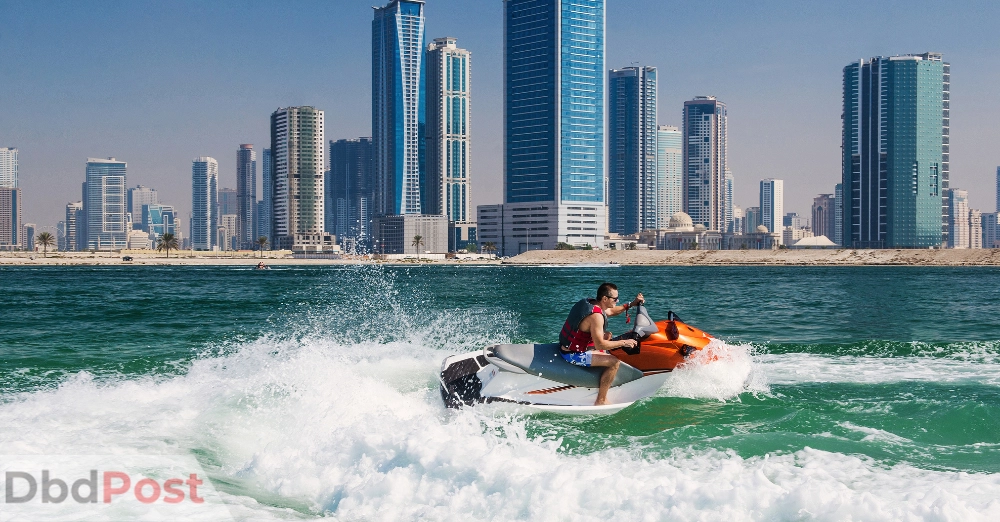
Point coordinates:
pixel 617 309
pixel 594 324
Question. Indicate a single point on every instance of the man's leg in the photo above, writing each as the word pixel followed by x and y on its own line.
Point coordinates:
pixel 610 364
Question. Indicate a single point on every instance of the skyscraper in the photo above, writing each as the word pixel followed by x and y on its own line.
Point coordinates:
pixel 350 193
pixel 11 235
pixel 896 152
pixel 998 189
pixel 246 195
pixel 669 179
pixel 204 208
pixel 398 106
pixel 705 162
pixel 823 219
pixel 632 191
pixel 838 214
pixel 8 167
pixel 727 222
pixel 137 197
pixel 772 204
pixel 449 144
pixel 299 158
pixel 104 204
pixel 958 218
pixel 265 225
pixel 975 229
pixel 74 218
pixel 554 81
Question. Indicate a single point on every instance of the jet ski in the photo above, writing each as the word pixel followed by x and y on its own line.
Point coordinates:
pixel 536 375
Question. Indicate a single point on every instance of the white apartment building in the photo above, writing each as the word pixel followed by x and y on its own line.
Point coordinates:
pixel 204 198
pixel 298 156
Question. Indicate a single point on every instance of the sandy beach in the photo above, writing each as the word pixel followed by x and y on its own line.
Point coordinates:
pixel 845 257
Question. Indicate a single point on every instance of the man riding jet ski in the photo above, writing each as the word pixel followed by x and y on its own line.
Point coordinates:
pixel 540 377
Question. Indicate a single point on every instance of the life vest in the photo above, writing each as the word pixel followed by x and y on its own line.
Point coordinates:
pixel 571 338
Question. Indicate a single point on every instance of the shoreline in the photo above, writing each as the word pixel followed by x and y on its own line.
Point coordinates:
pixel 784 257
pixel 841 257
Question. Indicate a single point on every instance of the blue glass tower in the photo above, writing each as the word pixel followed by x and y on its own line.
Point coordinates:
pixel 896 152
pixel 398 113
pixel 554 81
pixel 632 176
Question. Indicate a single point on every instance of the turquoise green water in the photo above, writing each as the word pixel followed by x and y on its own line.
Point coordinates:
pixel 840 393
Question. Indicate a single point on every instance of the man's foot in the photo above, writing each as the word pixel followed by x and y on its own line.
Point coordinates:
pixel 601 402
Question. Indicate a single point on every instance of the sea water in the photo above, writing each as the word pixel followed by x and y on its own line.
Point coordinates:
pixel 865 393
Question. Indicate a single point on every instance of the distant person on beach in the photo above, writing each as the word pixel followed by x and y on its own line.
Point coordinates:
pixel 584 340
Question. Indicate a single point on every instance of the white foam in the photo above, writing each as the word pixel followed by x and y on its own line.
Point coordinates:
pixel 796 368
pixel 315 425
pixel 721 371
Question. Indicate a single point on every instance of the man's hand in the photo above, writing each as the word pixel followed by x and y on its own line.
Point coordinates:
pixel 638 300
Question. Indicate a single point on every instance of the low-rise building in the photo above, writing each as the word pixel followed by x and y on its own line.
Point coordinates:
pixel 682 234
pixel 759 239
pixel 397 234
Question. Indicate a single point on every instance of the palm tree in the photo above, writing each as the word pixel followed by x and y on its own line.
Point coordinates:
pixel 46 240
pixel 418 241
pixel 165 242
pixel 490 247
pixel 262 242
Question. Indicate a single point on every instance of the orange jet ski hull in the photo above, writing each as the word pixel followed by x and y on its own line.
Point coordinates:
pixel 672 343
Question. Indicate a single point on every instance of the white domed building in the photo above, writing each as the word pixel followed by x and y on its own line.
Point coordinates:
pixel 682 234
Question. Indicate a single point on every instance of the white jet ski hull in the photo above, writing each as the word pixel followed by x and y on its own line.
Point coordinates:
pixel 483 377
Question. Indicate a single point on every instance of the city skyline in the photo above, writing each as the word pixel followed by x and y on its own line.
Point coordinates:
pixel 158 125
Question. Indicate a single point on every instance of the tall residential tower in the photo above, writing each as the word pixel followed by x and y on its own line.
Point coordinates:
pixel 554 148
pixel 669 174
pixel 705 162
pixel 772 204
pixel 896 152
pixel 299 159
pixel 204 207
pixel 246 195
pixel 632 134
pixel 350 193
pixel 398 107
pixel 449 147
pixel 104 204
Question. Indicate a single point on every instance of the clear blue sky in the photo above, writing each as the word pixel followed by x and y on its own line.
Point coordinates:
pixel 159 83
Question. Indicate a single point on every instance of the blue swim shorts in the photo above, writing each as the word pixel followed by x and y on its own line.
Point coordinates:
pixel 581 358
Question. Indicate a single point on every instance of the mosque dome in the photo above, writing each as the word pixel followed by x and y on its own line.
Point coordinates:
pixel 679 220
pixel 761 229
pixel 700 228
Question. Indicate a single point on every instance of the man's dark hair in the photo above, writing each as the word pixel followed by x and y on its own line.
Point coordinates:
pixel 605 290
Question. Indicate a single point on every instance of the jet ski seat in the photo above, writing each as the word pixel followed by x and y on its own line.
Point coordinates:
pixel 545 360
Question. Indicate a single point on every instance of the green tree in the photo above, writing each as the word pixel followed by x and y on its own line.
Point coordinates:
pixel 46 240
pixel 564 246
pixel 165 242
pixel 471 247
pixel 489 247
pixel 261 243
pixel 418 241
